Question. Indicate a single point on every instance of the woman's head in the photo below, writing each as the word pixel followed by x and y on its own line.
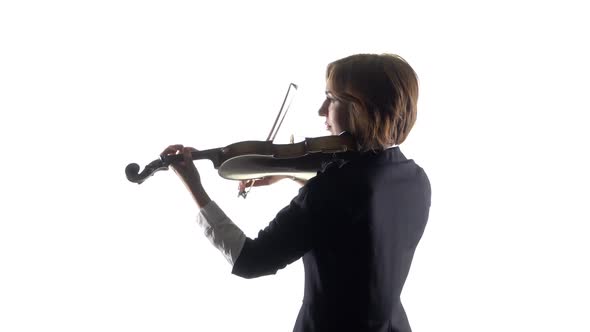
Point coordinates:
pixel 372 96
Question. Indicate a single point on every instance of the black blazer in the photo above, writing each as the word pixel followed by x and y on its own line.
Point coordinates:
pixel 356 225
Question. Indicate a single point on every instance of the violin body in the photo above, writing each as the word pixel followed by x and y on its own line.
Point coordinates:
pixel 249 160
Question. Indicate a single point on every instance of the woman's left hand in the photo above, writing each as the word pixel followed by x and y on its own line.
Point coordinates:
pixel 188 173
pixel 185 169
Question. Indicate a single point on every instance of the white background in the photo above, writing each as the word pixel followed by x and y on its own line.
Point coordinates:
pixel 87 87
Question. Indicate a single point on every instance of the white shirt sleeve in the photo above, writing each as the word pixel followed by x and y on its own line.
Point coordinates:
pixel 221 231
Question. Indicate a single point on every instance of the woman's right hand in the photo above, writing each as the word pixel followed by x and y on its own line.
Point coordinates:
pixel 265 181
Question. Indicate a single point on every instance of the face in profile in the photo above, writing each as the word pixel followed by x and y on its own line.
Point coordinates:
pixel 336 112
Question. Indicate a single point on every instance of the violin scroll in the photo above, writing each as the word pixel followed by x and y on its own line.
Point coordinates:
pixel 133 174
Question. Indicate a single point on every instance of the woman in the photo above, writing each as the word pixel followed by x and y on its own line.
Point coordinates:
pixel 357 222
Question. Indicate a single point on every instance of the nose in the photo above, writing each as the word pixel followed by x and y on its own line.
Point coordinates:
pixel 323 111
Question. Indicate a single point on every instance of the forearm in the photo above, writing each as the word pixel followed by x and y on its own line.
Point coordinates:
pixel 198 192
pixel 200 196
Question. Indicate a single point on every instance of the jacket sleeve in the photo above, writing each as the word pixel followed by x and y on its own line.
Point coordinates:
pixel 287 238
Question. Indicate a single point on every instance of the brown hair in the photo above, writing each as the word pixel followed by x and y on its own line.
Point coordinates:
pixel 382 91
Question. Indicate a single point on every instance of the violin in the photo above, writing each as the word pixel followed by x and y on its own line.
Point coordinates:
pixel 249 160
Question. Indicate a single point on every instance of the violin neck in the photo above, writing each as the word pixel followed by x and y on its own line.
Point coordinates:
pixel 211 154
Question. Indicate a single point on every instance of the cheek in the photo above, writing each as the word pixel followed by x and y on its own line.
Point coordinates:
pixel 341 118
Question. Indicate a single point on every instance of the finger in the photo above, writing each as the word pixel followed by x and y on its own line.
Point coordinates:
pixel 242 186
pixel 259 182
pixel 188 157
pixel 252 182
pixel 264 181
pixel 268 180
pixel 171 149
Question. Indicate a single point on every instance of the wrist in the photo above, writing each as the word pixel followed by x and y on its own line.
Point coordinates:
pixel 302 182
pixel 200 196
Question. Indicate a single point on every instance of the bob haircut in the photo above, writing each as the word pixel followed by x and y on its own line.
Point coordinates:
pixel 382 93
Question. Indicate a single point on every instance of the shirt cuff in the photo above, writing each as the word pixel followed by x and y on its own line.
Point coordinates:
pixel 221 231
